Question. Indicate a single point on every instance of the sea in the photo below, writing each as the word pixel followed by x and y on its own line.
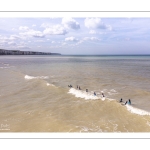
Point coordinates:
pixel 35 95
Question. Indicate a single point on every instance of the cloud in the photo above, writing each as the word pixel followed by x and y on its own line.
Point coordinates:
pixel 39 41
pixel 70 23
pixel 91 38
pixel 23 28
pixel 9 40
pixel 96 23
pixel 55 47
pixel 33 33
pixel 46 25
pixel 33 25
pixel 23 47
pixel 56 29
pixel 64 44
pixel 12 43
pixel 14 37
pixel 72 39
pixel 92 32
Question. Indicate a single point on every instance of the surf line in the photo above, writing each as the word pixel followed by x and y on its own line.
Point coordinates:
pixel 133 109
pixel 84 94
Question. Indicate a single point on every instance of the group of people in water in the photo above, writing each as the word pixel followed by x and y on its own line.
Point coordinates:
pixel 78 87
pixel 127 102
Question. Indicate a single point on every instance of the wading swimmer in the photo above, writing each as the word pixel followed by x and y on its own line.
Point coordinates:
pixel 86 90
pixel 79 88
pixel 94 93
pixel 129 102
pixel 125 102
pixel 121 100
pixel 70 86
pixel 103 94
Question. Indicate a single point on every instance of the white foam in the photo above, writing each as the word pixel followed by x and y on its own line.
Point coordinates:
pixel 84 94
pixel 136 110
pixel 112 90
pixel 4 67
pixel 6 64
pixel 32 77
pixel 48 84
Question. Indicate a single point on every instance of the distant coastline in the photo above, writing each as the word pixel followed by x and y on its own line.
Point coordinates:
pixel 19 52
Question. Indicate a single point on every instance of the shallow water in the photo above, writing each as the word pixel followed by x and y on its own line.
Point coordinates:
pixel 35 97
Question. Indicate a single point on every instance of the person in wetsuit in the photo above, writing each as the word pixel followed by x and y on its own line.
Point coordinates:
pixel 103 94
pixel 70 86
pixel 94 93
pixel 129 102
pixel 86 90
pixel 120 100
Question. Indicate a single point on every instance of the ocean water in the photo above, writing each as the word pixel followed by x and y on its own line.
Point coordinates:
pixel 35 97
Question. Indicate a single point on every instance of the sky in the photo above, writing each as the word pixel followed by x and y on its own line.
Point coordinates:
pixel 91 36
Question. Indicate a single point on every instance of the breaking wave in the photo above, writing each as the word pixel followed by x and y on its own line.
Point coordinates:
pixel 4 67
pixel 48 84
pixel 137 110
pixel 85 95
pixel 37 77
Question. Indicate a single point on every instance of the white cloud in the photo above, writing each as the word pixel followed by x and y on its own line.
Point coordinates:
pixel 13 29
pixel 46 25
pixel 57 29
pixel 33 25
pixel 91 38
pixel 92 32
pixel 72 39
pixel 23 28
pixel 70 23
pixel 55 47
pixel 33 33
pixel 12 43
pixel 96 23
pixel 14 37
pixel 39 41
pixel 64 43
pixel 53 42
pixel 23 47
pixel 109 27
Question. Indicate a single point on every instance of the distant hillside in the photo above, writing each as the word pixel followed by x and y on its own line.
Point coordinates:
pixel 18 52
